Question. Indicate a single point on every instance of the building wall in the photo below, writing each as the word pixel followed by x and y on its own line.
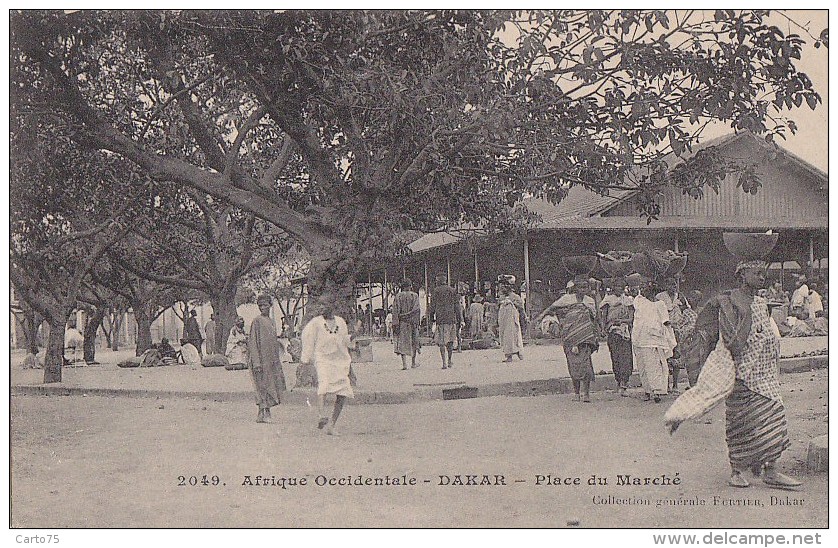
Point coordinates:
pixel 787 191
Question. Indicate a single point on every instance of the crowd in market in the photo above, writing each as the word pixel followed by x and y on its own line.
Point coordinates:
pixel 728 344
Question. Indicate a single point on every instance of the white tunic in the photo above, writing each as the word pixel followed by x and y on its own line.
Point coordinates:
pixel 328 348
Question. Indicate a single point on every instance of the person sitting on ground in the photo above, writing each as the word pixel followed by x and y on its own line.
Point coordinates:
pixel 236 349
pixel 798 297
pixel 189 353
pixel 166 349
pixel 813 304
pixel 73 339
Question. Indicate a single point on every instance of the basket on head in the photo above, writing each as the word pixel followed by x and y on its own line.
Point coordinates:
pixel 616 263
pixel 642 264
pixel 676 266
pixel 580 264
pixel 657 264
pixel 750 246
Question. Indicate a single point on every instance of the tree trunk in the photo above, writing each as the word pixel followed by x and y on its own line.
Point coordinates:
pixel 330 284
pixel 115 325
pixel 224 310
pixel 143 319
pixel 54 358
pixel 29 321
pixel 90 330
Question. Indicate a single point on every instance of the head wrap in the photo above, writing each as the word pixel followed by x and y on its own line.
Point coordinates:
pixel 756 263
pixel 264 299
pixel 637 280
pixel 506 279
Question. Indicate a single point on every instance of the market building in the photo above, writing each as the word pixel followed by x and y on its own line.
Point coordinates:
pixel 793 200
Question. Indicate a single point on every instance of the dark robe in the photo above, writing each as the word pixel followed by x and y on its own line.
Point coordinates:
pixel 263 356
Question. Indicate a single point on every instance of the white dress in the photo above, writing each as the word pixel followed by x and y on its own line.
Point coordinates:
pixel 236 349
pixel 328 349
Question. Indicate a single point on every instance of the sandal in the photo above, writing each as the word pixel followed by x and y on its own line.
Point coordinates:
pixel 781 481
pixel 736 480
pixel 322 424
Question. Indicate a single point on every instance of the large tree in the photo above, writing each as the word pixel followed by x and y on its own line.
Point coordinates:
pixel 346 128
pixel 192 242
pixel 147 299
pixel 66 210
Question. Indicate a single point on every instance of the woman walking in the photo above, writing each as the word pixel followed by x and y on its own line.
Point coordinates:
pixel 510 306
pixel 743 370
pixel 619 316
pixel 326 343
pixel 579 331
pixel 475 317
pixel 406 317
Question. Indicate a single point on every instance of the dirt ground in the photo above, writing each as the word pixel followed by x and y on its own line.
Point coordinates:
pixel 117 462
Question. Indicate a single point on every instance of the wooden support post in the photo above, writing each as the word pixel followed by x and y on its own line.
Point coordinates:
pixel 811 255
pixel 527 275
pixel 448 270
pixel 783 274
pixel 677 249
pixel 476 271
pixel 369 290
pixel 427 295
pixel 385 294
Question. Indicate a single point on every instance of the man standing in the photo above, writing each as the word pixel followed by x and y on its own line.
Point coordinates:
pixel 652 338
pixel 444 309
pixel 263 353
pixel 209 331
pixel 191 331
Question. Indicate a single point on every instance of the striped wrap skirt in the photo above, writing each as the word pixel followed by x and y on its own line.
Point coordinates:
pixel 756 430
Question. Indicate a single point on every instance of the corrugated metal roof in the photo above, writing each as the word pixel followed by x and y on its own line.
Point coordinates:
pixel 582 208
pixel 578 203
pixel 685 221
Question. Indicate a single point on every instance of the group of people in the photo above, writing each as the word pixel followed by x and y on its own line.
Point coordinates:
pixel 326 342
pixel 447 317
pixel 642 322
pixel 806 302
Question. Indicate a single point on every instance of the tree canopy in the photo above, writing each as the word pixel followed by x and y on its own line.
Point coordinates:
pixel 347 128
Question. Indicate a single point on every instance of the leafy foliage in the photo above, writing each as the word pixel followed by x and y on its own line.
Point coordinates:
pixel 347 129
